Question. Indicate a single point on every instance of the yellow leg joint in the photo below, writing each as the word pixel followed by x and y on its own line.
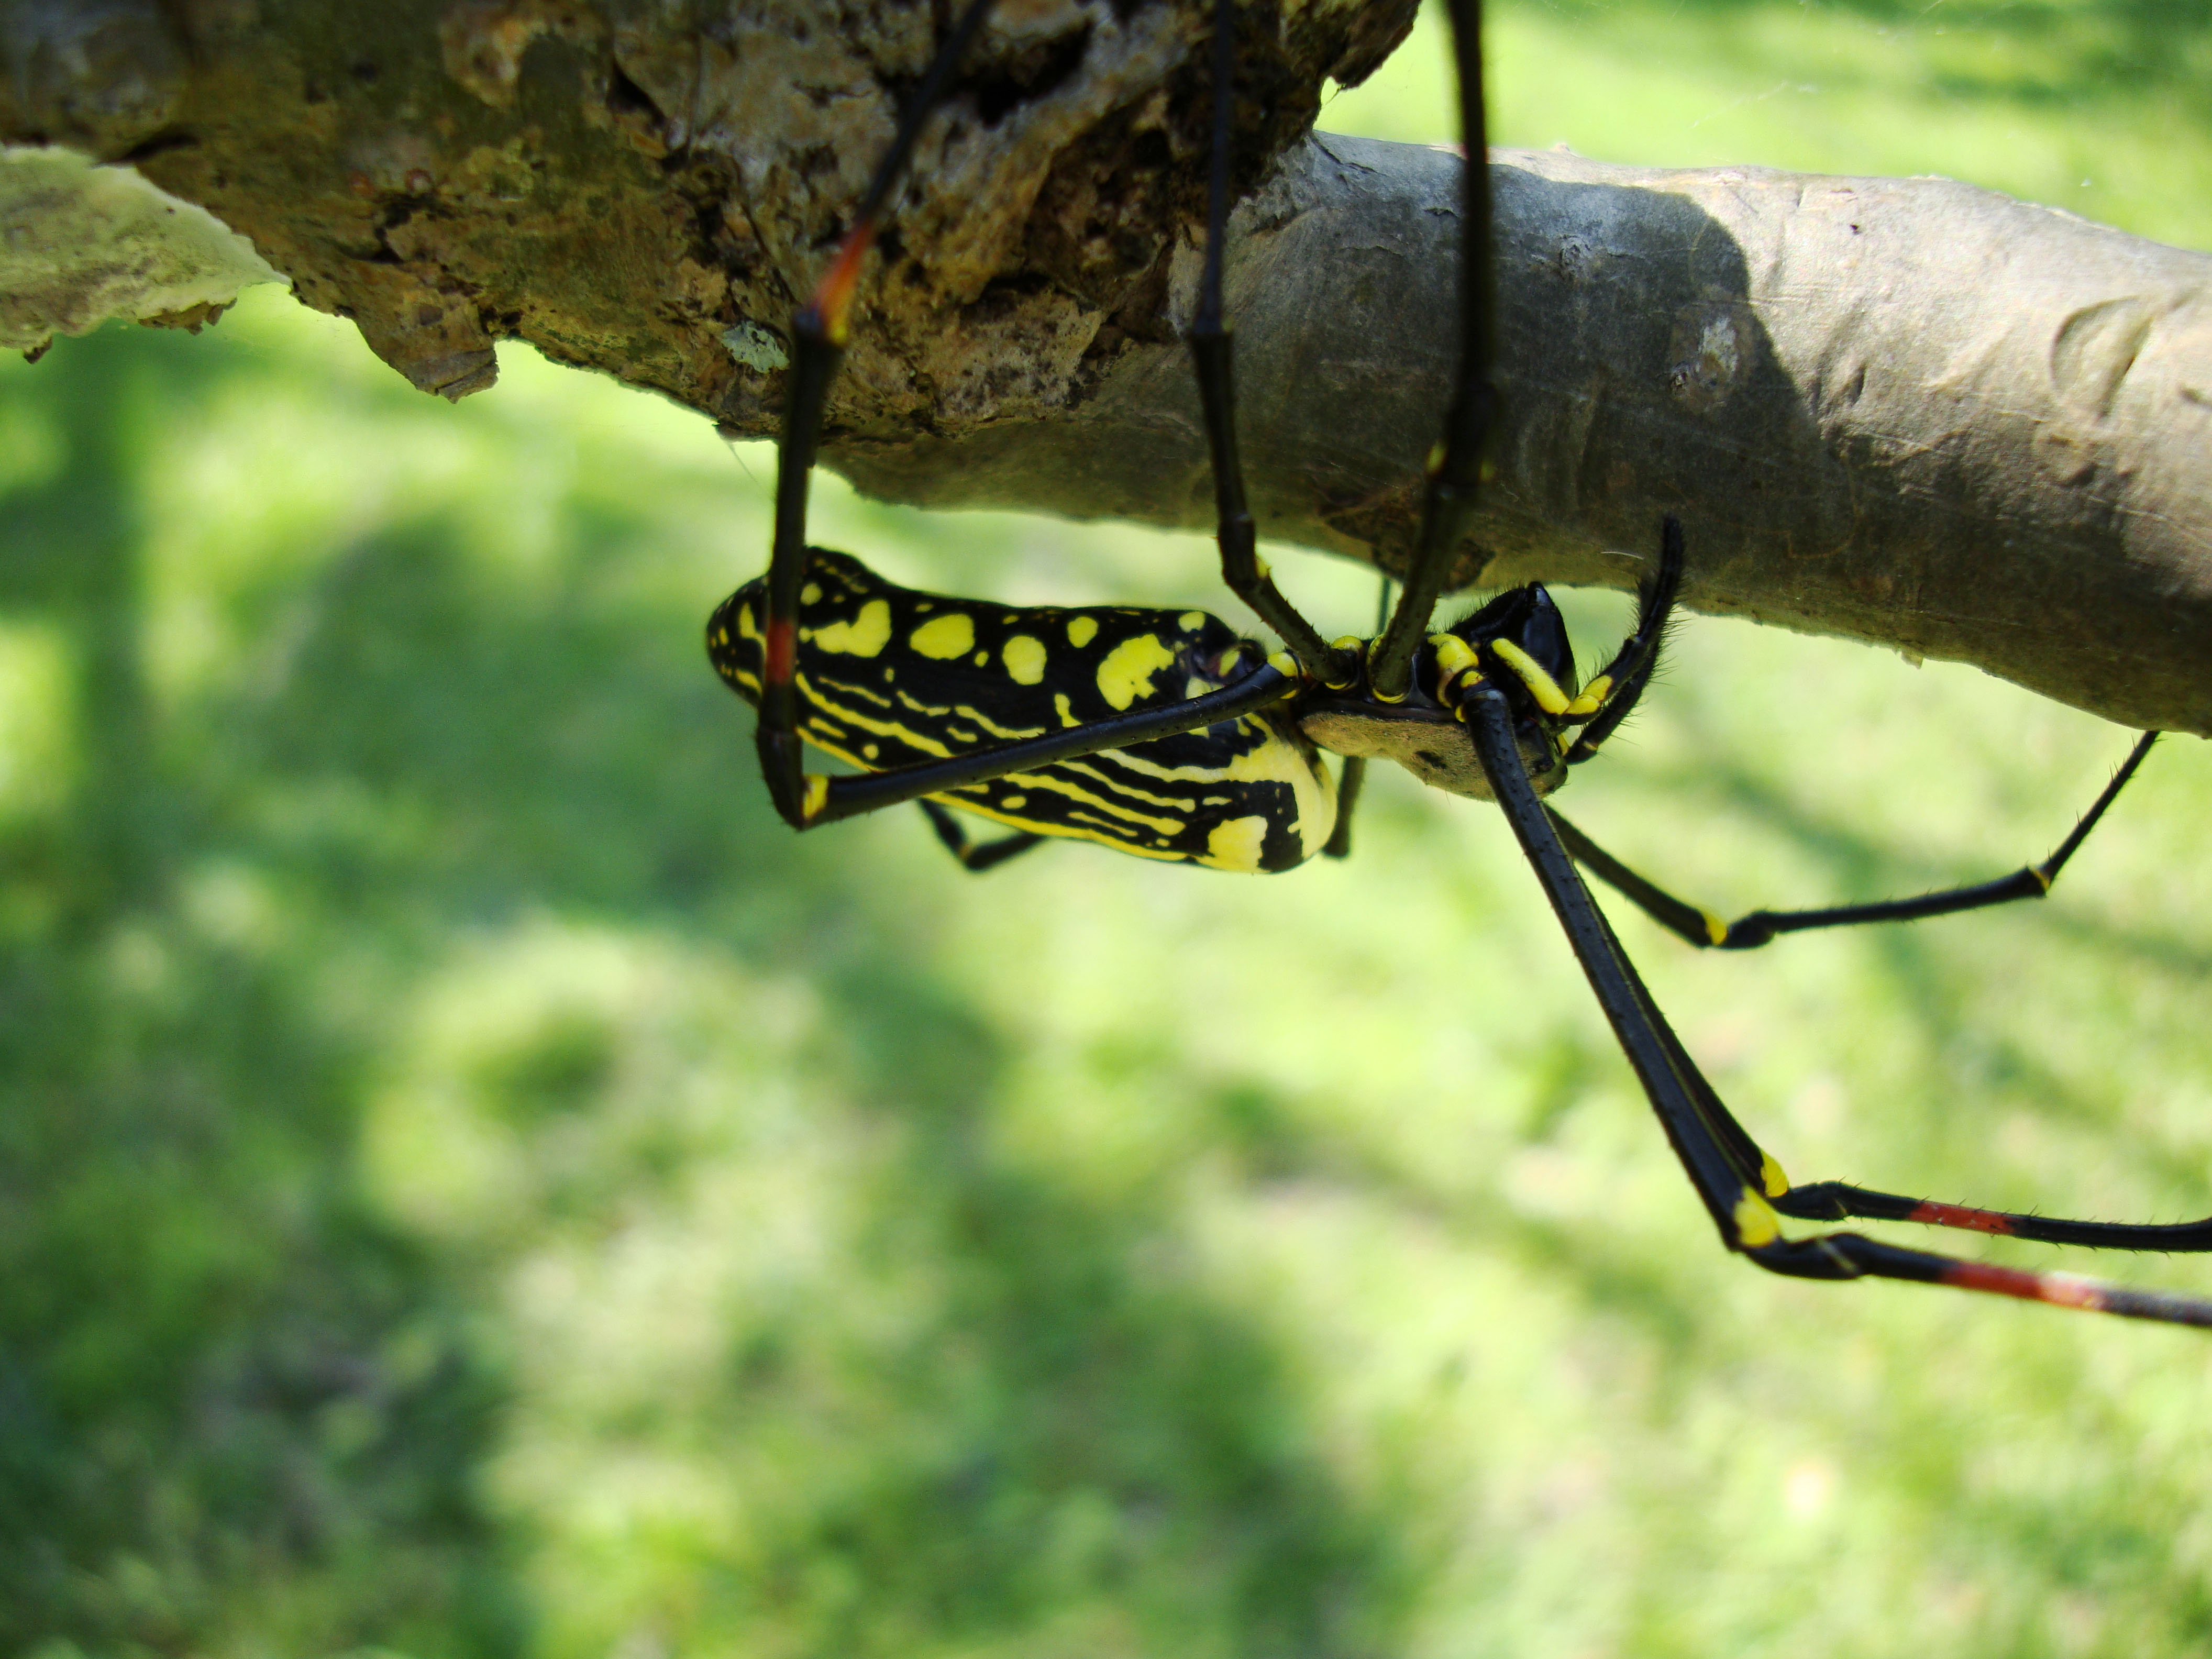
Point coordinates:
pixel 2042 876
pixel 1282 662
pixel 1771 1172
pixel 1594 696
pixel 1756 1223
pixel 1349 648
pixel 817 796
pixel 1456 692
pixel 1715 929
pixel 1542 685
pixel 1376 694
pixel 1453 655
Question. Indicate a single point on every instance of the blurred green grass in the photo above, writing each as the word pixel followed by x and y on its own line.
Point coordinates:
pixel 471 1183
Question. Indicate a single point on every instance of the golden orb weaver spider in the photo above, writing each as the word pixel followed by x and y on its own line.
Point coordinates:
pixel 1165 735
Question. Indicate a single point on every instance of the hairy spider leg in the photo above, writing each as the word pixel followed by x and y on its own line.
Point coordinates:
pixel 1742 1189
pixel 1610 698
pixel 1701 927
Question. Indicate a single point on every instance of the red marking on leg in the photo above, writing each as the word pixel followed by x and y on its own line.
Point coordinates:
pixel 782 654
pixel 2063 1290
pixel 833 297
pixel 1958 1215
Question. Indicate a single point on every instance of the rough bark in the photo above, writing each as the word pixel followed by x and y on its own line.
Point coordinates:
pixel 1906 411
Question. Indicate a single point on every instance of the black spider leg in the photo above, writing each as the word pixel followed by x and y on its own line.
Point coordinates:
pixel 1351 776
pixel 1835 1201
pixel 973 854
pixel 1702 928
pixel 1735 1180
pixel 819 330
pixel 1454 467
pixel 1210 356
pixel 1617 688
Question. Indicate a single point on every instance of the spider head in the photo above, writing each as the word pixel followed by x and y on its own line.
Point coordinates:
pixel 1518 644
pixel 1525 617
pixel 1423 733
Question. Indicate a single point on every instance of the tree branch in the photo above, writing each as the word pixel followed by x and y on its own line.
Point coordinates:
pixel 1907 411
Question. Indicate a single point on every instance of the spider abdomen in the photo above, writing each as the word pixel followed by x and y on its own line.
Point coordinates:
pixel 891 676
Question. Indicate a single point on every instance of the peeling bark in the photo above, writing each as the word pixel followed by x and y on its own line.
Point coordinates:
pixel 1906 411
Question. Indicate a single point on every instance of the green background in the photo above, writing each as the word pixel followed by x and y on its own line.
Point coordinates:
pixel 472 1183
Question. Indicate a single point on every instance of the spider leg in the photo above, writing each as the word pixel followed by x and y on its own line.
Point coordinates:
pixel 1455 469
pixel 953 830
pixel 1833 1201
pixel 1350 778
pixel 818 335
pixel 1615 691
pixel 1836 1200
pixel 1702 928
pixel 1354 775
pixel 1684 920
pixel 1212 354
pixel 1739 1184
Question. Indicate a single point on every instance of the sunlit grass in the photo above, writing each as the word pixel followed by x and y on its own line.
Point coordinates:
pixel 2056 103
